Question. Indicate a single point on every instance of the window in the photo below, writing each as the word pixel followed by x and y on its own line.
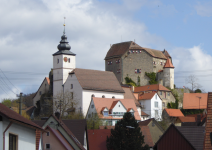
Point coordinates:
pixel 132 113
pixel 161 63
pixel 154 63
pixel 12 142
pixel 156 113
pixel 71 86
pixel 47 146
pixel 156 96
pixel 160 92
pixel 164 104
pixel 103 96
pixel 58 61
pixel 40 92
pixel 92 106
pixel 47 134
pixel 109 62
pixel 69 60
pixel 118 70
pixel 168 93
pixel 117 61
pixel 137 70
pixel 156 104
pixel 105 113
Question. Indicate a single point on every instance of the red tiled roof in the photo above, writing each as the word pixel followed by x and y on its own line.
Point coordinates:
pixel 147 136
pixel 113 104
pixel 146 96
pixel 117 50
pixel 144 114
pixel 187 119
pixel 109 102
pixel 193 100
pixel 38 132
pixel 145 122
pixel 156 87
pixel 160 71
pixel 174 112
pixel 168 64
pixel 10 114
pixel 97 139
pixel 195 116
pixel 129 95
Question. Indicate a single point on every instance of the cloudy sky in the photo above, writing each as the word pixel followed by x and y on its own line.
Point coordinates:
pixel 30 31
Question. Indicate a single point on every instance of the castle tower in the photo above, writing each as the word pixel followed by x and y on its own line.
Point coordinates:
pixel 63 63
pixel 168 74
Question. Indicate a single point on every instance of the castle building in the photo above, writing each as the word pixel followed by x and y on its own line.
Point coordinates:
pixel 128 59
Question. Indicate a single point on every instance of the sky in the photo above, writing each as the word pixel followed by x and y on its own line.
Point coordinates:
pixel 30 31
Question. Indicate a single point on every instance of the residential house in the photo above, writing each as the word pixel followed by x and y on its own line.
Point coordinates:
pixel 165 94
pixel 129 95
pixel 181 138
pixel 110 110
pixel 72 133
pixel 208 129
pixel 151 104
pixel 16 131
pixel 171 115
pixel 155 129
pixel 44 88
pixel 195 100
pixel 128 59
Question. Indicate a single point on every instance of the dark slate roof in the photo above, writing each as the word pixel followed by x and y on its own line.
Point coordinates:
pixel 12 115
pixel 194 134
pixel 77 127
pixel 39 122
pixel 97 80
pixel 117 50
pixel 66 52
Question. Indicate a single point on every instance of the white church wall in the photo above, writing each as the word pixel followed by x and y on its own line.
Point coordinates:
pixel 43 89
pixel 86 96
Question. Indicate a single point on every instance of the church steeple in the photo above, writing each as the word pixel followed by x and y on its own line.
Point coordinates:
pixel 64 47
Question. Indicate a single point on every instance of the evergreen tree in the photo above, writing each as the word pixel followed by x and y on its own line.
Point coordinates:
pixel 127 135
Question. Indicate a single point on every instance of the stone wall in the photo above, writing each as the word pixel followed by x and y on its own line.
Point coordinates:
pixel 159 64
pixel 166 97
pixel 134 61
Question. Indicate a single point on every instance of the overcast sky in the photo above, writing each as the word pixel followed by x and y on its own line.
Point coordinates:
pixel 30 31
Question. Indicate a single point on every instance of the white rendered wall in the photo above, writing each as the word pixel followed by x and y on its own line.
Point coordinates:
pixel 168 78
pixel 86 96
pixel 154 99
pixel 119 108
pixel 77 90
pixel 61 71
pixel 43 88
pixel 92 110
pixel 26 136
pixel 147 106
pixel 139 110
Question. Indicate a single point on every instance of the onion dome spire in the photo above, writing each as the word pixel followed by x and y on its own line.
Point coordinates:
pixel 64 47
pixel 64 43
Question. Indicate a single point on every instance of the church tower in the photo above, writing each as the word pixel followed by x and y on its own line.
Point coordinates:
pixel 168 74
pixel 63 63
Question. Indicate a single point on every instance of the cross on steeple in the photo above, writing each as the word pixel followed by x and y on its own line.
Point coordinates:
pixel 64 25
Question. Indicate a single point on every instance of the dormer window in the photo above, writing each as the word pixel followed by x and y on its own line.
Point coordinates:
pixel 105 113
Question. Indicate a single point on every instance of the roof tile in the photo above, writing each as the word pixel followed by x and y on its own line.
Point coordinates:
pixel 193 100
pixel 174 112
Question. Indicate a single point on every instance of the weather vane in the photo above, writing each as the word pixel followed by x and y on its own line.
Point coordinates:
pixel 64 25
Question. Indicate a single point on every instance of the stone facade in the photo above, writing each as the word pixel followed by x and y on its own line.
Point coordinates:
pixel 166 97
pixel 135 61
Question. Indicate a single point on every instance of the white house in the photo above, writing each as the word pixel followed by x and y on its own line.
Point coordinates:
pixel 16 131
pixel 110 110
pixel 151 104
pixel 44 87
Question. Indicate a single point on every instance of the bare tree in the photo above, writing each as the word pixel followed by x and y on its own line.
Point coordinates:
pixel 65 102
pixel 192 80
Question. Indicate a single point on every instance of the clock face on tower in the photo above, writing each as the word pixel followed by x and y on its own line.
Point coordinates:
pixel 65 59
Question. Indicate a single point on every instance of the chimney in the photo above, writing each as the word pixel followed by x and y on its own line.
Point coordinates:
pixel 198 119
pixel 57 114
pixel 132 88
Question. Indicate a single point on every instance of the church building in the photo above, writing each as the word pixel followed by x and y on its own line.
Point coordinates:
pixel 128 59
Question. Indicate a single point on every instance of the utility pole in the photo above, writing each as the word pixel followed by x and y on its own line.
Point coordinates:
pixel 20 103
